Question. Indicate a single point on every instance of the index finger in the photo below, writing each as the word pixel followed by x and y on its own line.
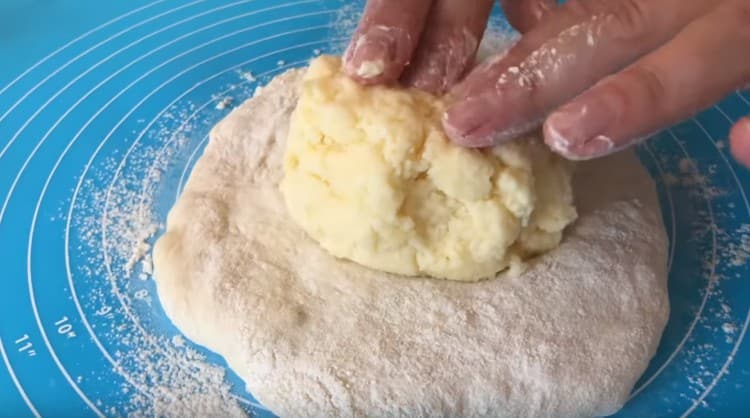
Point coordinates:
pixel 385 39
pixel 576 45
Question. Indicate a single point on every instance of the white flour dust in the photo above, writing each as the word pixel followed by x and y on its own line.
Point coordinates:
pixel 718 245
pixel 268 306
pixel 114 227
pixel 167 377
pixel 549 62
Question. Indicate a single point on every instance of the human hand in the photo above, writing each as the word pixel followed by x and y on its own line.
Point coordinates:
pixel 602 74
pixel 438 39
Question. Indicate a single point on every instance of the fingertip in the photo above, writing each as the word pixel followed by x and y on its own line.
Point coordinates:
pixel 554 139
pixel 371 59
pixel 739 141
pixel 557 137
pixel 385 40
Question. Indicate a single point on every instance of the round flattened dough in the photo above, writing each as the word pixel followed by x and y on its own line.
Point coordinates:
pixel 371 176
pixel 315 336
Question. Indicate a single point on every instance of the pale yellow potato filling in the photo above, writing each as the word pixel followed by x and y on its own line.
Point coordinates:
pixel 370 175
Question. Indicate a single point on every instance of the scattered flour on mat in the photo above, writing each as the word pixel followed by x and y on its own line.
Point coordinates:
pixel 721 246
pixel 247 76
pixel 166 376
pixel 224 103
pixel 114 229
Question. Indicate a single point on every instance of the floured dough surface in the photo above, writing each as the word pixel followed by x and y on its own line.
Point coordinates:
pixel 312 335
pixel 372 177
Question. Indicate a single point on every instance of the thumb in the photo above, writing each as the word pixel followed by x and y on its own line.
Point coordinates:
pixel 739 141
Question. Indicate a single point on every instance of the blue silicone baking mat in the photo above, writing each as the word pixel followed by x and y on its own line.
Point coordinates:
pixel 105 106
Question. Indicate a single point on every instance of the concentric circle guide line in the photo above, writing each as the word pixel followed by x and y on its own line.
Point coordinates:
pixel 51 350
pixel 725 367
pixel 187 164
pixel 130 45
pixel 76 301
pixel 143 76
pixel 194 153
pixel 709 286
pixel 673 229
pixel 712 279
pixel 79 56
pixel 670 202
pixel 111 274
pixel 189 119
pixel 742 96
pixel 97 342
pixel 41 142
pixel 12 189
pixel 3 90
pixel 79 38
pixel 16 382
pixel 68 268
pixel 673 232
pixel 195 86
pixel 660 169
pixel 270 72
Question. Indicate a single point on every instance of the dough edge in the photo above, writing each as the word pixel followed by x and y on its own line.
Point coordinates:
pixel 302 354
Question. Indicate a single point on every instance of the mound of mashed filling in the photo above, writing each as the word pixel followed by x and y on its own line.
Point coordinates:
pixel 370 175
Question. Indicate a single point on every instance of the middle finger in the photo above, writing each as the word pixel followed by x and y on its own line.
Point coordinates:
pixel 448 44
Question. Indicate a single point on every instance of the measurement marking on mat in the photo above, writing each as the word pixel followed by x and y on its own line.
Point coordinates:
pixel 105 311
pixel 65 328
pixel 24 345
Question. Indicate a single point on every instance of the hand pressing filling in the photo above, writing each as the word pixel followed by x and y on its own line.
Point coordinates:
pixel 599 75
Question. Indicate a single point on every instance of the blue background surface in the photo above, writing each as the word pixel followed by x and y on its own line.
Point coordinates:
pixel 89 93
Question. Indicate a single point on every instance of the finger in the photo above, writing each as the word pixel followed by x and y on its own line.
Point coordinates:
pixel 577 44
pixel 385 39
pixel 739 141
pixel 448 44
pixel 524 14
pixel 704 62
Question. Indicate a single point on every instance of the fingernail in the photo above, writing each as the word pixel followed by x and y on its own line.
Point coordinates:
pixel 376 53
pixel 578 123
pixel 367 57
pixel 598 146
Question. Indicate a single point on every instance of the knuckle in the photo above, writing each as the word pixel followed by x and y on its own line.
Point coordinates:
pixel 580 8
pixel 629 17
pixel 649 83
